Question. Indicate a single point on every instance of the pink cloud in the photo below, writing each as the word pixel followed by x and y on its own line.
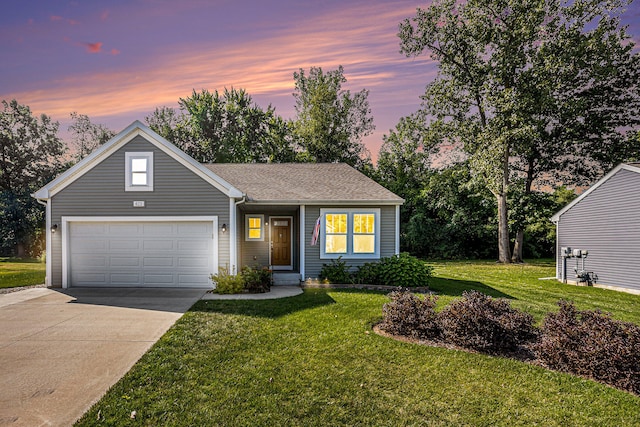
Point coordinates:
pixel 114 52
pixel 93 47
pixel 104 15
pixel 72 22
pixel 55 18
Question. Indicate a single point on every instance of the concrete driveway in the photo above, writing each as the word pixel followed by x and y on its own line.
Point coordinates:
pixel 60 350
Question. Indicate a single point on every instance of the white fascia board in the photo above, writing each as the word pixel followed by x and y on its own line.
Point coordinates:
pixel 325 202
pixel 134 129
pixel 555 218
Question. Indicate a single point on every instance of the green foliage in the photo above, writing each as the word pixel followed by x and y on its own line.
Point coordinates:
pixel 256 279
pixel 591 344
pixel 225 128
pixel 536 91
pixel 330 122
pixel 227 283
pixel 87 136
pixel 336 272
pixel 401 270
pixel 30 155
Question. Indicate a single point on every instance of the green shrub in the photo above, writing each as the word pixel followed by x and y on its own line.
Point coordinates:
pixel 591 344
pixel 256 279
pixel 408 315
pixel 336 272
pixel 487 324
pixel 403 270
pixel 227 283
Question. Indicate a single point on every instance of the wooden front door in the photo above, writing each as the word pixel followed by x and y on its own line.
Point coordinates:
pixel 281 242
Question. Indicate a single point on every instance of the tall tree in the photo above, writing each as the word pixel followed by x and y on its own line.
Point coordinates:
pixel 30 155
pixel 87 136
pixel 331 122
pixel 227 128
pixel 534 89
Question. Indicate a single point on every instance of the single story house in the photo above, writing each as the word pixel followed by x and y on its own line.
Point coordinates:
pixel 605 222
pixel 140 212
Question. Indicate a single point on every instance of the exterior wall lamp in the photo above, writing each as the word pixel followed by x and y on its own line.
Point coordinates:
pixel 224 228
pixel 54 227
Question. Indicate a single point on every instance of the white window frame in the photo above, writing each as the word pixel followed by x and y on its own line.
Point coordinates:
pixel 246 227
pixel 129 157
pixel 350 212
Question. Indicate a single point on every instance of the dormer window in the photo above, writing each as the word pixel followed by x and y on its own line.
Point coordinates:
pixel 139 171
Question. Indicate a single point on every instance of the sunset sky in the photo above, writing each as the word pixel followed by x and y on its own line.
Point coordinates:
pixel 118 60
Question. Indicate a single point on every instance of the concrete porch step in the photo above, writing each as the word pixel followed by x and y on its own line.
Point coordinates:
pixel 287 278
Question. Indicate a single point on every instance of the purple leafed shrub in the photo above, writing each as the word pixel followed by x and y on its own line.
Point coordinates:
pixel 408 315
pixel 591 344
pixel 486 324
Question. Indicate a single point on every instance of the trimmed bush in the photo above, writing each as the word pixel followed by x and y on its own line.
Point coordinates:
pixel 486 324
pixel 336 272
pixel 591 344
pixel 256 279
pixel 408 315
pixel 227 283
pixel 403 270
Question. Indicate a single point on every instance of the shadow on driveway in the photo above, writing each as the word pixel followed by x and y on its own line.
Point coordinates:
pixel 159 299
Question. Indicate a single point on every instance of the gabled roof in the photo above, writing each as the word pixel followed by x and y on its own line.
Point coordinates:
pixel 303 183
pixel 134 129
pixel 631 167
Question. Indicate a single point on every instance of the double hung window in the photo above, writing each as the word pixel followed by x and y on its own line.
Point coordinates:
pixel 350 233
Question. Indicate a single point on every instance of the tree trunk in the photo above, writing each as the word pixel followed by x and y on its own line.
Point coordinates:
pixel 22 253
pixel 504 254
pixel 517 247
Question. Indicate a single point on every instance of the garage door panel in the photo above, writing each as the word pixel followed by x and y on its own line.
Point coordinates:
pixel 188 280
pixel 158 229
pixel 192 245
pixel 124 229
pixel 89 244
pixel 157 261
pixel 124 245
pixel 124 262
pixel 90 278
pixel 124 278
pixel 194 229
pixel 90 261
pixel 192 262
pixel 158 245
pixel 163 254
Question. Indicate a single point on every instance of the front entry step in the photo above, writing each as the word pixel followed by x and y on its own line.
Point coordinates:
pixel 285 279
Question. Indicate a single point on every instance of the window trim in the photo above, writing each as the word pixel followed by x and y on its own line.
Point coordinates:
pixel 246 227
pixel 129 157
pixel 350 212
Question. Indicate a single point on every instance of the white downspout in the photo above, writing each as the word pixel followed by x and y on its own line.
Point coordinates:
pixel 233 230
pixel 47 222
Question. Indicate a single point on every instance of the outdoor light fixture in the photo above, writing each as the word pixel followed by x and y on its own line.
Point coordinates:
pixel 224 228
pixel 54 227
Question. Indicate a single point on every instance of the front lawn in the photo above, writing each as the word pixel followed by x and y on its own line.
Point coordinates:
pixel 313 360
pixel 16 272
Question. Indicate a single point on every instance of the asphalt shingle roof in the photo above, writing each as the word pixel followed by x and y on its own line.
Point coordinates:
pixel 302 182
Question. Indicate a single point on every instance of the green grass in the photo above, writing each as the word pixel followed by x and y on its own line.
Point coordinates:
pixel 312 360
pixel 16 272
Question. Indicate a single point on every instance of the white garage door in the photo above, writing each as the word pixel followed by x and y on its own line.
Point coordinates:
pixel 145 254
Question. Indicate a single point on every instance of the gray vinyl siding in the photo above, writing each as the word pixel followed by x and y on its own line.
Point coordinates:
pixel 312 253
pixel 606 222
pixel 100 192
